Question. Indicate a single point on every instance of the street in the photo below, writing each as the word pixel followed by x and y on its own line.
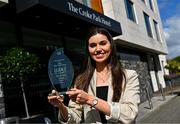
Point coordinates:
pixel 167 113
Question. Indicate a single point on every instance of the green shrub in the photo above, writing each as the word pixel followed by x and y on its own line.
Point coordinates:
pixel 18 63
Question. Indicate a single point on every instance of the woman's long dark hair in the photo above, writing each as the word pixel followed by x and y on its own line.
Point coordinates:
pixel 83 80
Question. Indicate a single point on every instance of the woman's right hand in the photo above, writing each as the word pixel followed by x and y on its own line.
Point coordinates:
pixel 55 99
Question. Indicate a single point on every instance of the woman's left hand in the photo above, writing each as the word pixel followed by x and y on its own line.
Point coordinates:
pixel 79 96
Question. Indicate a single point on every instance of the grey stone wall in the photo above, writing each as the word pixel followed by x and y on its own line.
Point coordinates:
pixel 2 106
pixel 144 78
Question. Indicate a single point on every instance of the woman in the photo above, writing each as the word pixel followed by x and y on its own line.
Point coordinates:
pixel 103 92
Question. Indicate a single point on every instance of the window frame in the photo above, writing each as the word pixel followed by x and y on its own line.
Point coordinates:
pixel 148 25
pixel 131 15
pixel 156 28
pixel 151 5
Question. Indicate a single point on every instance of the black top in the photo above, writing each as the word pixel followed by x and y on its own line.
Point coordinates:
pixel 102 92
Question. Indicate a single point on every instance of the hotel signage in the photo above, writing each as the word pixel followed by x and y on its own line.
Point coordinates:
pixel 72 8
pixel 87 14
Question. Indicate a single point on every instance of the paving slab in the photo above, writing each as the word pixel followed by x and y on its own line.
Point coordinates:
pixel 157 101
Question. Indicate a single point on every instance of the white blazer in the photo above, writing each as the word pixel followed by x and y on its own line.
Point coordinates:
pixel 124 111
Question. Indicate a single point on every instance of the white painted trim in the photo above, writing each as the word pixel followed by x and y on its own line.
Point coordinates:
pixel 154 81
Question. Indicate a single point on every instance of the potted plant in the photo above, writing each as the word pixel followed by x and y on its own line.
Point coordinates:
pixel 18 64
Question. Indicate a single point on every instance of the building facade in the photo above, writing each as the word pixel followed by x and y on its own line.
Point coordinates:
pixel 142 45
pixel 43 26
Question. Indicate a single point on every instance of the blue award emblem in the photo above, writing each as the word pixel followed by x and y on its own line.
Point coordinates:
pixel 60 70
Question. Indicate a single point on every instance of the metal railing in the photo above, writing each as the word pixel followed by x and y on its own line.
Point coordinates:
pixel 162 91
pixel 148 96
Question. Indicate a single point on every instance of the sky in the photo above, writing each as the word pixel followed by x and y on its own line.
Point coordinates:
pixel 170 16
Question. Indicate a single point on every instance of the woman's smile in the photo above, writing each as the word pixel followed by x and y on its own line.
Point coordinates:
pixel 99 55
pixel 99 48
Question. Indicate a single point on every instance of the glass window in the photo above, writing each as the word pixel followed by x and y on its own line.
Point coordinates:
pixel 97 5
pixel 128 56
pixel 151 4
pixel 130 10
pixel 7 34
pixel 94 4
pixel 156 30
pixel 75 50
pixel 148 26
pixel 85 2
pixel 44 44
pixel 35 38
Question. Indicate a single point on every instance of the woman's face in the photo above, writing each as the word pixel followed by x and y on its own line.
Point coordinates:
pixel 99 48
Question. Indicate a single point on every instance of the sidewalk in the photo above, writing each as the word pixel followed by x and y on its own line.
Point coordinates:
pixel 157 101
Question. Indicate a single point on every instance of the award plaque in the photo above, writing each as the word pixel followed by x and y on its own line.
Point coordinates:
pixel 60 71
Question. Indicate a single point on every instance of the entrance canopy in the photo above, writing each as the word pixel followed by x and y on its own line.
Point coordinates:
pixel 66 17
